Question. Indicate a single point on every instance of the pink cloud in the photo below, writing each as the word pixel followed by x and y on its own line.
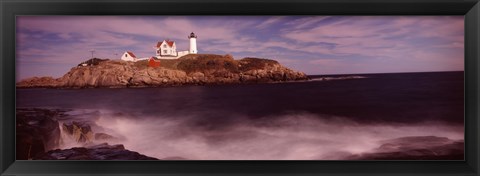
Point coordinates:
pixel 369 37
pixel 270 21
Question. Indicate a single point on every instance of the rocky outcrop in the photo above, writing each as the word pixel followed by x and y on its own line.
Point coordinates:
pixel 81 132
pixel 38 136
pixel 415 148
pixel 37 132
pixel 97 152
pixel 196 69
pixel 47 82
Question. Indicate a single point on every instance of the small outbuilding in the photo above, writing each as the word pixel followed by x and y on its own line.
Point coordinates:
pixel 129 56
pixel 152 62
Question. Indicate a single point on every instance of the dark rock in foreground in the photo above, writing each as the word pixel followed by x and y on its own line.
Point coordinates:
pixel 416 148
pixel 80 131
pixel 96 152
pixel 37 132
pixel 198 69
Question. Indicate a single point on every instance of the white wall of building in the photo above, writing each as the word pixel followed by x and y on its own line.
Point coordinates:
pixel 166 49
pixel 128 57
pixel 183 53
pixel 193 45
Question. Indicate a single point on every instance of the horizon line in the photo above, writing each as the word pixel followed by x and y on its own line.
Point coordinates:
pixel 383 73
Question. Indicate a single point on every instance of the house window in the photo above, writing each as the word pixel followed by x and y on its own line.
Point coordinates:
pixel 164 46
pixel 164 51
pixel 125 55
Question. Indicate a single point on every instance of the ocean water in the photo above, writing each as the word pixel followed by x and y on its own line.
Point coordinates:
pixel 316 119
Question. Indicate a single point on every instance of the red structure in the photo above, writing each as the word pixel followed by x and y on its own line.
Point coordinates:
pixel 152 62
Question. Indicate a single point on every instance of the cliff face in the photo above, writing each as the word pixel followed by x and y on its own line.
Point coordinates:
pixel 39 136
pixel 37 131
pixel 197 69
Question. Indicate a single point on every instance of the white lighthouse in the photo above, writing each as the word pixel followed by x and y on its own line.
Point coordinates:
pixel 193 43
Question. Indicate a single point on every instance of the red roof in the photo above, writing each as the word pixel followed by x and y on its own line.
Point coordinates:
pixel 131 54
pixel 169 43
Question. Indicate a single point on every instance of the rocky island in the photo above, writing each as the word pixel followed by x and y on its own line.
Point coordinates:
pixel 192 69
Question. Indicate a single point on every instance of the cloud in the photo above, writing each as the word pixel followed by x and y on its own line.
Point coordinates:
pixel 270 21
pixel 362 35
pixel 306 22
pixel 325 62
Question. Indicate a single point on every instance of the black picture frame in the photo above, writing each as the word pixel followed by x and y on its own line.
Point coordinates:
pixel 11 8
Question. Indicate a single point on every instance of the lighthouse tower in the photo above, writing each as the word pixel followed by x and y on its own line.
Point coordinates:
pixel 193 43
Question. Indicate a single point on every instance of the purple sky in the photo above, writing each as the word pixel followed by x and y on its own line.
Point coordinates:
pixel 51 45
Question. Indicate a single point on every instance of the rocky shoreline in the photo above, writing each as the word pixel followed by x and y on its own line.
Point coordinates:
pixel 37 132
pixel 39 137
pixel 415 148
pixel 42 133
pixel 102 151
pixel 199 69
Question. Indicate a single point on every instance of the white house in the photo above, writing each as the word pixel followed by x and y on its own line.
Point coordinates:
pixel 167 49
pixel 129 56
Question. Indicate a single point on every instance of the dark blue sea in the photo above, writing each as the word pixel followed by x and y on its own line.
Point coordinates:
pixel 323 118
